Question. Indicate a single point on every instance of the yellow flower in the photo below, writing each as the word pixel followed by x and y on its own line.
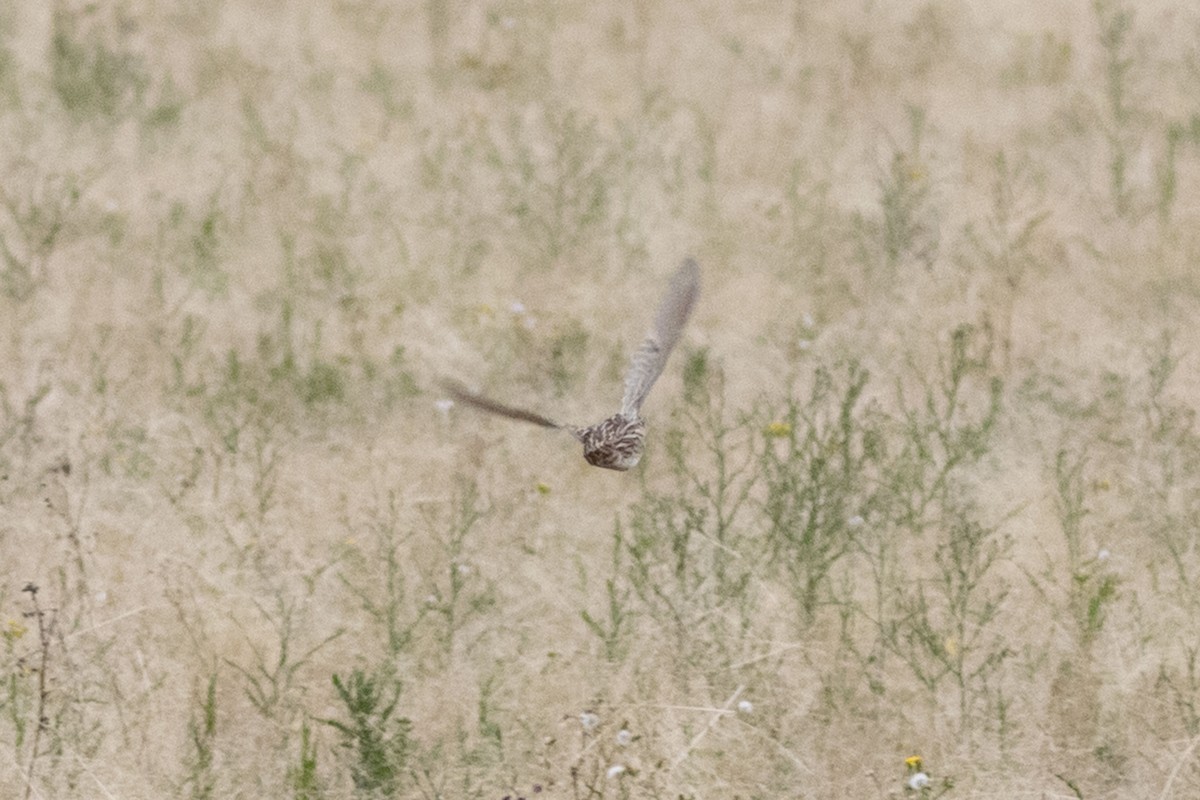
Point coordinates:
pixel 542 488
pixel 14 630
pixel 913 762
pixel 778 430
pixel 951 646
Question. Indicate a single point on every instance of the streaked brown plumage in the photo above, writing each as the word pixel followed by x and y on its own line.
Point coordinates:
pixel 617 442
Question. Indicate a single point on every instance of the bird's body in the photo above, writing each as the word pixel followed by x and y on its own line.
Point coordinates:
pixel 618 442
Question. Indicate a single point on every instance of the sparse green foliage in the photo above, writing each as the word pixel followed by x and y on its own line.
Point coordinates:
pixel 1116 22
pixel 693 550
pixel 37 210
pixel 1004 244
pixel 932 482
pixel 201 779
pixel 614 627
pixel 1041 59
pixel 270 680
pixel 945 628
pixel 556 195
pixel 305 784
pixel 1178 136
pixel 905 230
pixel 378 578
pixel 1092 587
pixel 1181 688
pixel 375 736
pixel 948 428
pixel 9 92
pixel 455 591
pixel 821 469
pixel 18 426
pixel 93 78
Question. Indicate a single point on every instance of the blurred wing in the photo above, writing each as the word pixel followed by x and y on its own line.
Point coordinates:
pixel 651 356
pixel 465 396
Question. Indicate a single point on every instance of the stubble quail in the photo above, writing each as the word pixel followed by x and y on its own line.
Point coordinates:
pixel 618 442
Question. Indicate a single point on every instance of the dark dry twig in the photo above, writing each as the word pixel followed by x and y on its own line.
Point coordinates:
pixel 44 631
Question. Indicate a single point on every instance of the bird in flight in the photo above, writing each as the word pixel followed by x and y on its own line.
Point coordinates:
pixel 617 442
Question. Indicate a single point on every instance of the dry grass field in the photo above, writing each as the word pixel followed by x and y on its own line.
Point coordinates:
pixel 923 476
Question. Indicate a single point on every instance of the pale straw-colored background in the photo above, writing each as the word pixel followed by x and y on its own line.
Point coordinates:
pixel 243 240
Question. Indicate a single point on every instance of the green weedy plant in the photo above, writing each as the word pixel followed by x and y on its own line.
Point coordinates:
pixel 614 628
pixel 1003 243
pixel 1167 443
pixel 302 778
pixel 940 626
pixel 91 78
pixel 456 597
pixel 820 470
pixel 15 697
pixel 376 738
pixel 1178 135
pixel 1092 587
pixel 380 580
pixel 1182 689
pixel 10 95
pixel 1116 27
pixel 33 225
pixel 693 552
pixel 17 426
pixel 906 227
pixel 664 170
pixel 1042 59
pixel 223 391
pixel 553 177
pixel 271 681
pixel 202 734
pixel 943 626
pixel 808 214
pixel 196 240
pixel 164 111
pixel 947 430
pixel 460 214
pixel 47 699
pixel 310 377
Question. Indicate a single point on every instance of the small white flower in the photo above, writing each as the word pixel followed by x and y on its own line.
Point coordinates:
pixel 431 600
pixel 101 598
pixel 804 344
pixel 624 737
pixel 463 569
pixel 856 521
pixel 918 781
pixel 444 405
pixel 615 771
pixel 508 23
pixel 745 707
pixel 517 307
pixel 1103 555
pixel 808 320
pixel 589 721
